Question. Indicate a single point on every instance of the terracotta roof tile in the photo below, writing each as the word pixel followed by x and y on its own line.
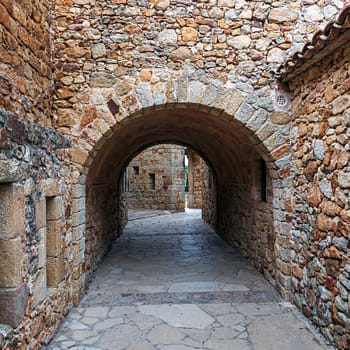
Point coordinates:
pixel 323 43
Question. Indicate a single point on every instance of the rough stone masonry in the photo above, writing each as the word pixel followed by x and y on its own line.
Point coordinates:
pixel 86 84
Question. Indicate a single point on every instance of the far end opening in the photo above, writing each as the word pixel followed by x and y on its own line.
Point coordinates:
pixel 166 178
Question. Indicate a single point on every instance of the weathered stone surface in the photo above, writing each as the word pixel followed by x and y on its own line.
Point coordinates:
pixel 239 42
pixel 189 34
pixel 12 305
pixel 11 259
pixel 144 94
pixel 161 4
pixel 98 50
pixel 62 70
pixel 325 186
pixel 54 239
pixel 54 208
pixel 165 189
pixel 282 15
pixel 313 14
pixel 40 213
pixel 102 79
pixel 180 316
pixel 167 37
pixel 180 54
pixel 280 117
pixel 10 171
pixel 340 104
pixel 55 270
pixel 344 180
pixel 319 151
pixel 314 196
pixel 11 211
pixel 276 55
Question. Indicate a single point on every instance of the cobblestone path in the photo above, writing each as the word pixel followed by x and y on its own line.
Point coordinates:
pixel 170 283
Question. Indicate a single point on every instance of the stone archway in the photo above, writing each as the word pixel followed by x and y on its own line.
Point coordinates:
pixel 233 129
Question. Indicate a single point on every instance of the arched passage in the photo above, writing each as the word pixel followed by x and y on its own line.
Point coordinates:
pixel 244 216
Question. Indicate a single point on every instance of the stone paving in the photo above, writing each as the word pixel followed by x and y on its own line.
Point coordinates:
pixel 170 283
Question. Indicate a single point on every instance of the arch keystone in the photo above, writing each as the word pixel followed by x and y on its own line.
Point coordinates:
pixel 144 95
pixel 181 89
pixel 195 91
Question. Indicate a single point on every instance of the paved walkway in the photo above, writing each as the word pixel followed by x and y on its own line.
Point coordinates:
pixel 170 283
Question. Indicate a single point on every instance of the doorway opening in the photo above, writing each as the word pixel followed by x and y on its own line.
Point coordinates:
pixel 168 178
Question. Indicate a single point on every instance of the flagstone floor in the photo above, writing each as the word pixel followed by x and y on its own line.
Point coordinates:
pixel 170 283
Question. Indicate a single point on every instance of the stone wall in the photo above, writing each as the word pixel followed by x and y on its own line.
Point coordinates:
pixel 35 225
pixel 25 59
pixel 320 236
pixel 209 198
pixel 104 50
pixel 35 239
pixel 156 178
pixel 197 179
pixel 250 224
pixel 127 75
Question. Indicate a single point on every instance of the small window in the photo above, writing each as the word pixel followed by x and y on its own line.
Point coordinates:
pixel 263 185
pixel 152 181
pixel 136 170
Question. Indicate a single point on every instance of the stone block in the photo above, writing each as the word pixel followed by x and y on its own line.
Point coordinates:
pixel 257 120
pixel 274 141
pixel 78 232
pixel 39 287
pixel 78 218
pixel 281 15
pixel 11 263
pixel 53 238
pixel 195 91
pixel 102 79
pixel 266 130
pixel 42 248
pixel 51 188
pixel 181 89
pixel 10 171
pixel 55 270
pixel 79 155
pixel 234 103
pixel 54 208
pixel 78 204
pixel 12 305
pixel 210 95
pixel 11 211
pixel 180 54
pixel 222 99
pixel 40 213
pixel 144 94
pixel 159 97
pixel 79 259
pixel 244 113
pixel 78 191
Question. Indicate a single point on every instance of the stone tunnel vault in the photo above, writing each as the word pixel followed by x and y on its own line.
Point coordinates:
pixel 235 154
